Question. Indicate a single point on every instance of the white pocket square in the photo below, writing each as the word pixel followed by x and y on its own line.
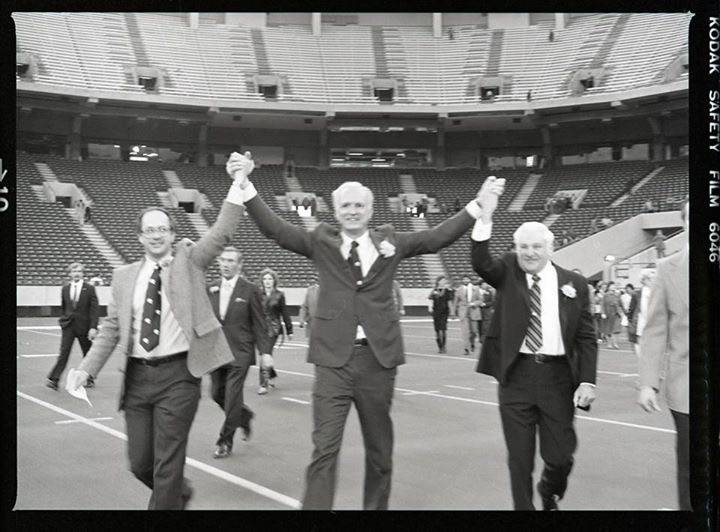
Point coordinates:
pixel 240 300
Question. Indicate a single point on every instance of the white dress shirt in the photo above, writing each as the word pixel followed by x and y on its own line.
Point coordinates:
pixel 75 288
pixel 367 252
pixel 172 337
pixel 226 289
pixel 642 311
pixel 468 292
pixel 552 342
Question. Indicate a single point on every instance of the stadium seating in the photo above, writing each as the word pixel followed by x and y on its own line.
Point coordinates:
pixel 215 61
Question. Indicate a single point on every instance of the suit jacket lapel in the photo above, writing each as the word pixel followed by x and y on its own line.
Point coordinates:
pixel 562 278
pixel 376 236
pixel 125 305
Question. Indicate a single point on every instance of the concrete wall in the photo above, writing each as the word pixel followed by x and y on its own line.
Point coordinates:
pixel 508 20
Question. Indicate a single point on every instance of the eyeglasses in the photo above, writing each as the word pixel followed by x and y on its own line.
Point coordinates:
pixel 154 231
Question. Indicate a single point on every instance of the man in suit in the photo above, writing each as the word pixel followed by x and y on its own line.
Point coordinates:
pixel 237 303
pixel 356 342
pixel 488 307
pixel 161 320
pixel 665 343
pixel 309 304
pixel 79 320
pixel 397 298
pixel 540 347
pixel 637 311
pixel 467 309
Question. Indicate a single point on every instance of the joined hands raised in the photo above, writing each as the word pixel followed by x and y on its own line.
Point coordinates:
pixel 489 194
pixel 239 167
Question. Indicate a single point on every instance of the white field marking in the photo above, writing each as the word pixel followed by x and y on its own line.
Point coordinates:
pixel 41 332
pixel 40 355
pixel 65 421
pixel 293 400
pixel 38 327
pixel 623 375
pixel 214 471
pixel 458 387
pixel 491 403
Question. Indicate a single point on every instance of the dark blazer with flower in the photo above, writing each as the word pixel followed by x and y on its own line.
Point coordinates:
pixel 512 316
pixel 342 304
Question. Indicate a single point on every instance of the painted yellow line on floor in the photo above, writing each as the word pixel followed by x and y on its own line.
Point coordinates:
pixel 214 471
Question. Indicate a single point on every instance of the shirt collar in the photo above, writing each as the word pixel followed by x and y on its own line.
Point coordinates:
pixel 76 283
pixel 231 282
pixel 164 262
pixel 542 273
pixel 361 240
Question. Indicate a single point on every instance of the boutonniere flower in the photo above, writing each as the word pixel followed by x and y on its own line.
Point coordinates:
pixel 568 290
pixel 386 249
pixel 214 289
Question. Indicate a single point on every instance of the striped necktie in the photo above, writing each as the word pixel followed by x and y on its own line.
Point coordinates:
pixel 533 338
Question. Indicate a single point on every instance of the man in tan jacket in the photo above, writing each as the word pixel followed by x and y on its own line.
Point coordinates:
pixel 161 320
pixel 665 343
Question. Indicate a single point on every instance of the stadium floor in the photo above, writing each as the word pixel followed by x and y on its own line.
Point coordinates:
pixel 449 451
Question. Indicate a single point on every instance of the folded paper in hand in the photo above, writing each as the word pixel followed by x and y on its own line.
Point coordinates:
pixel 81 392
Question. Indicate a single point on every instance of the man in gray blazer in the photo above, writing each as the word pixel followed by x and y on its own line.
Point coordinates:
pixel 665 343
pixel 356 342
pixel 161 320
pixel 468 302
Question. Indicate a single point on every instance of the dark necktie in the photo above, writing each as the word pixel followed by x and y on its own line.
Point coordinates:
pixel 150 330
pixel 534 332
pixel 354 261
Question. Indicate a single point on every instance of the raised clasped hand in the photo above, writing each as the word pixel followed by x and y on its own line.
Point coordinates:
pixel 490 192
pixel 240 166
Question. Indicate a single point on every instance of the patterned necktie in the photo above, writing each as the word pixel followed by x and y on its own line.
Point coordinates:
pixel 533 339
pixel 150 330
pixel 354 261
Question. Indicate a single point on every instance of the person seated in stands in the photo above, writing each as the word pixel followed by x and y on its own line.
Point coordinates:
pixel 548 204
pixel 443 208
pixel 650 206
pixel 294 204
pixel 605 222
pixel 96 281
pixel 457 205
pixel 87 217
pixel 659 243
pixel 313 206
pixel 594 225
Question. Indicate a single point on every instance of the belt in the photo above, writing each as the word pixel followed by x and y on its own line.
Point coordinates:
pixel 360 341
pixel 156 361
pixel 542 359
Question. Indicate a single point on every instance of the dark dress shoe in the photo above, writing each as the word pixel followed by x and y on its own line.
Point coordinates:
pixel 549 502
pixel 246 427
pixel 222 451
pixel 53 385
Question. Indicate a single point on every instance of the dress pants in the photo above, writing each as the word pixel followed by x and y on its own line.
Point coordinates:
pixel 227 383
pixel 469 330
pixel 682 450
pixel 538 395
pixel 370 386
pixel 160 404
pixel 66 342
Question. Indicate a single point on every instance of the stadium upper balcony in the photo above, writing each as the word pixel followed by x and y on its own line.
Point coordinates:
pixel 216 62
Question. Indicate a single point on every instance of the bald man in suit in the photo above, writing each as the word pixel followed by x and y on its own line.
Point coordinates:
pixel 665 343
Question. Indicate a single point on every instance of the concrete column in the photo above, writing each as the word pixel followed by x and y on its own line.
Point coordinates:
pixel 74 140
pixel 440 159
pixel 323 150
pixel 316 24
pixel 560 19
pixel 547 146
pixel 437 25
pixel 657 146
pixel 194 20
pixel 202 149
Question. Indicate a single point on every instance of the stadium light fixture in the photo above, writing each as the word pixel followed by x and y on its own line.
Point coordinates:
pixel 610 258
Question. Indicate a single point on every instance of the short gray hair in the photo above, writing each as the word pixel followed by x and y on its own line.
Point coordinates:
pixel 536 226
pixel 351 184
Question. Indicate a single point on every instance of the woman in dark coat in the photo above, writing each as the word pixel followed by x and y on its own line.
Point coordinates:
pixel 278 323
pixel 442 297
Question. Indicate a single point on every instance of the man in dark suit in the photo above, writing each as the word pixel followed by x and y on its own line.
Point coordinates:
pixel 309 304
pixel 79 320
pixel 665 347
pixel 161 320
pixel 237 303
pixel 540 347
pixel 356 342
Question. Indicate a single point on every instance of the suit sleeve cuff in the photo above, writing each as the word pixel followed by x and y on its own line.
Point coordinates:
pixel 481 230
pixel 589 384
pixel 473 209
pixel 239 196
